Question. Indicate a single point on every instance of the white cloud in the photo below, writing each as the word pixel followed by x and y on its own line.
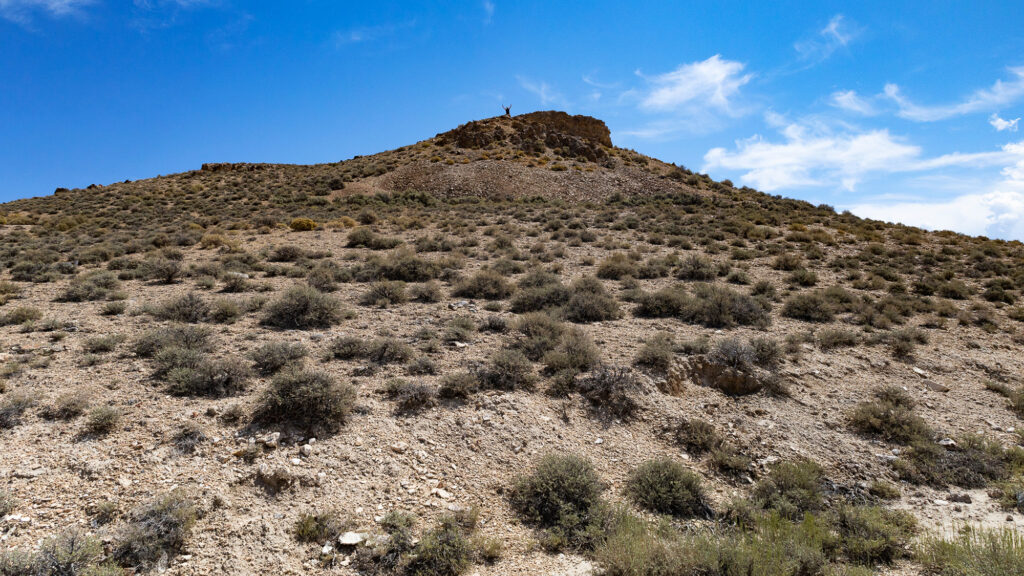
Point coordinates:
pixel 852 102
pixel 812 154
pixel 362 34
pixel 1000 94
pixel 712 83
pixel 545 93
pixel 836 34
pixel 997 212
pixel 999 124
pixel 488 11
pixel 20 10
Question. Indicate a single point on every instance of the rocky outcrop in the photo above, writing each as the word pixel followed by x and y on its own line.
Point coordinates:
pixel 703 371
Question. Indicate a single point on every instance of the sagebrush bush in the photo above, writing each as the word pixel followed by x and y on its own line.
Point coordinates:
pixel 190 308
pixel 611 390
pixel 309 399
pixel 13 406
pixel 562 495
pixel 616 267
pixel 656 354
pixel 590 302
pixel 155 530
pixel 808 306
pixel 97 285
pixel 458 386
pixel 791 488
pixel 213 378
pixel 666 487
pixel 696 267
pixel 183 336
pixel 317 527
pixel 303 308
pixel 871 535
pixel 575 351
pixel 697 436
pixel 538 333
pixel 890 416
pixel 102 420
pixel 385 294
pixel 485 284
pixel 508 370
pixel 409 397
pixel 271 357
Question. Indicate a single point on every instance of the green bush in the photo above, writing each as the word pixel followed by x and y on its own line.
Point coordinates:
pixel 666 487
pixel 575 351
pixel 562 495
pixel 211 378
pixel 185 337
pixel 889 415
pixel 973 552
pixel 303 308
pixel 97 285
pixel 308 399
pixel 486 284
pixel 616 267
pixel 809 307
pixel 871 535
pixel 611 390
pixel 155 530
pixel 317 527
pixel 442 551
pixel 508 370
pixel 791 488
pixel 385 294
pixel 656 354
pixel 271 357
pixel 102 420
pixel 458 386
pixel 190 308
pixel 696 267
pixel 697 436
pixel 538 334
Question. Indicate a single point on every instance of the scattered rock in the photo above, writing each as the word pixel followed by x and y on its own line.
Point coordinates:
pixel 351 539
pixel 276 479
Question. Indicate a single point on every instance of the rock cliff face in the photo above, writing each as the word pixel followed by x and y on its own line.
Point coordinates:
pixel 570 136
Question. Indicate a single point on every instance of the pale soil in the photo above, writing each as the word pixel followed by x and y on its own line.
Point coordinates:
pixel 473 451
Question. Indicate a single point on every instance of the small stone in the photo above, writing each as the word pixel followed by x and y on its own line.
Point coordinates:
pixel 920 372
pixel 351 539
pixel 599 441
pixel 399 447
pixel 940 502
pixel 935 386
pixel 275 479
pixel 441 493
pixel 306 449
pixel 327 549
pixel 948 443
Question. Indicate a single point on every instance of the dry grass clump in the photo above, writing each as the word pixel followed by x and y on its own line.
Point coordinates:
pixel 308 399
pixel 302 308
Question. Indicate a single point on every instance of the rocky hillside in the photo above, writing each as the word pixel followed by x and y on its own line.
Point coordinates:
pixel 509 349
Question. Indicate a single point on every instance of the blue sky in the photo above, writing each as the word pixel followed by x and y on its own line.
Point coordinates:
pixel 902 111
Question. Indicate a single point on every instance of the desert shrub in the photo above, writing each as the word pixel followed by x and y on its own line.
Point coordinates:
pixel 494 323
pixel 459 385
pixel 973 462
pixel 590 302
pixel 973 552
pixel 788 261
pixel 871 535
pixel 616 266
pixel 575 351
pixel 803 277
pixel 68 406
pixel 7 503
pixel 508 370
pixel 286 253
pixel 611 390
pixel 421 366
pixel 409 397
pixel 161 270
pixel 666 487
pixel 181 336
pixel 303 308
pixel 317 527
pixel 236 282
pixel 306 398
pixel 388 351
pixel 730 462
pixel 656 354
pixel 188 438
pixel 809 307
pixel 348 348
pixel 13 407
pixel 562 496
pixel 302 225
pixel 832 338
pixel 442 551
pixel 539 290
pixel 71 553
pixel 732 352
pixel 102 344
pixel 322 278
pixel 271 357
pixel 225 311
pixel 385 294
pixel 791 488
pixel 889 415
pixel 722 307
pixel 767 351
pixel 102 420
pixel 903 342
pixel 665 303
pixel 97 285
pixel 190 308
pixel 697 436
pixel 538 333
pixel 426 292
pixel 459 329
pixel 696 267
pixel 20 315
pixel 486 284
pixel 212 378
pixel 155 530
pixel 113 308
pixel 366 238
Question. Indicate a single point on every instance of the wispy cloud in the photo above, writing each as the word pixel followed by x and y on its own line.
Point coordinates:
pixel 997 212
pixel 21 11
pixel 1000 94
pixel 1000 124
pixel 544 92
pixel 850 101
pixel 694 97
pixel 488 7
pixel 812 154
pixel 361 34
pixel 838 33
pixel 711 83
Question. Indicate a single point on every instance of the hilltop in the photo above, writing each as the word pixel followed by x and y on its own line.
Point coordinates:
pixel 512 348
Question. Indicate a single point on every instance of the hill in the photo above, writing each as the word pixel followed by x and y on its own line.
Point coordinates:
pixel 512 348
